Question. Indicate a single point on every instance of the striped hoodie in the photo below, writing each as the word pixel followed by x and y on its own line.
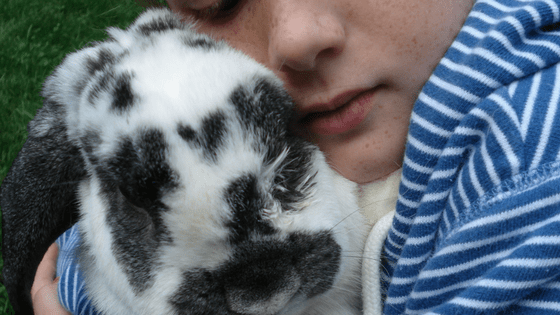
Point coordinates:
pixel 477 223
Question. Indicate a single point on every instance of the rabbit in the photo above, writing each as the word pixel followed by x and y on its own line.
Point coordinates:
pixel 171 152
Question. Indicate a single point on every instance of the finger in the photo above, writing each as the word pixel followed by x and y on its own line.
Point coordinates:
pixel 46 301
pixel 46 270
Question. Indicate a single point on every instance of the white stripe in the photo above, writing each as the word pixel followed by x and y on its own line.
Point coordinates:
pixel 512 89
pixel 417 167
pixel 394 244
pixel 505 41
pixel 67 272
pixel 535 15
pixel 506 107
pixel 554 7
pixel 444 173
pixel 462 193
pixel 420 240
pixel 398 233
pixel 513 213
pixel 549 119
pixel 423 147
pixel 488 163
pixel 455 90
pixel 412 186
pixel 432 293
pixel 390 253
pixel 414 261
pixel 478 282
pixel 427 219
pixel 446 220
pixel 396 300
pixel 500 6
pixel 544 240
pixel 532 263
pixel 441 272
pixel 470 303
pixel 511 285
pixel 75 293
pixel 430 126
pixel 439 107
pixel 552 285
pixel 474 178
pixel 450 249
pixel 490 56
pixel 473 31
pixel 453 207
pixel 502 139
pixel 433 197
pixel 530 104
pixel 547 305
pixel 403 220
pixel 408 203
pixel 466 131
pixel 454 151
pixel 469 72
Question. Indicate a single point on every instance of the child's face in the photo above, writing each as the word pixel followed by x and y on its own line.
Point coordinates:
pixel 353 67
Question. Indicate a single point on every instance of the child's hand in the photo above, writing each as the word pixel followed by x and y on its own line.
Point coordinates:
pixel 44 290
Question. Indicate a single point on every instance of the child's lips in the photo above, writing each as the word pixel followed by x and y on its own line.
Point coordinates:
pixel 343 117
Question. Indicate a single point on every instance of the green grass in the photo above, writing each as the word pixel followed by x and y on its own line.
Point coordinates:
pixel 35 36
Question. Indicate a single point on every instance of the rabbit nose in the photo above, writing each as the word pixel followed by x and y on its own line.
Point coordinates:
pixel 261 287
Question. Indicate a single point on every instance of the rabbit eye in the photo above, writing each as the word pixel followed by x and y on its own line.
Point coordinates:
pixel 142 194
pixel 141 171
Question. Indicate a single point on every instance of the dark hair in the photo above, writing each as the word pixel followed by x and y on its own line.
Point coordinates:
pixel 151 3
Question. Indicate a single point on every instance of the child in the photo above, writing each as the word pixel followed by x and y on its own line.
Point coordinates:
pixel 473 89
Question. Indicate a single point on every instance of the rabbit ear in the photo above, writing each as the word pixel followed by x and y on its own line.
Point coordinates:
pixel 38 200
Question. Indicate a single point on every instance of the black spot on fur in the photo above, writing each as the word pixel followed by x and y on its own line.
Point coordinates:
pixel 301 264
pixel 212 133
pixel 296 175
pixel 107 78
pixel 123 98
pixel 263 267
pixel 103 58
pixel 100 86
pixel 204 43
pixel 160 25
pixel 93 65
pixel 134 181
pixel 187 133
pixel 245 200
pixel 267 109
pixel 210 137
pixel 200 293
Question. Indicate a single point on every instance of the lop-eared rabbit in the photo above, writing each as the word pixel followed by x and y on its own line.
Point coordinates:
pixel 171 151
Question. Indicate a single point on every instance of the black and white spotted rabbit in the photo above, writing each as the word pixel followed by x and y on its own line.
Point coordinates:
pixel 172 152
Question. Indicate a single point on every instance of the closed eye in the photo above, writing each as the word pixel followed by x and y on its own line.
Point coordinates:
pixel 220 9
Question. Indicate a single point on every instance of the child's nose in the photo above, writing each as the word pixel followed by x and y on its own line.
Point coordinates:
pixel 301 33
